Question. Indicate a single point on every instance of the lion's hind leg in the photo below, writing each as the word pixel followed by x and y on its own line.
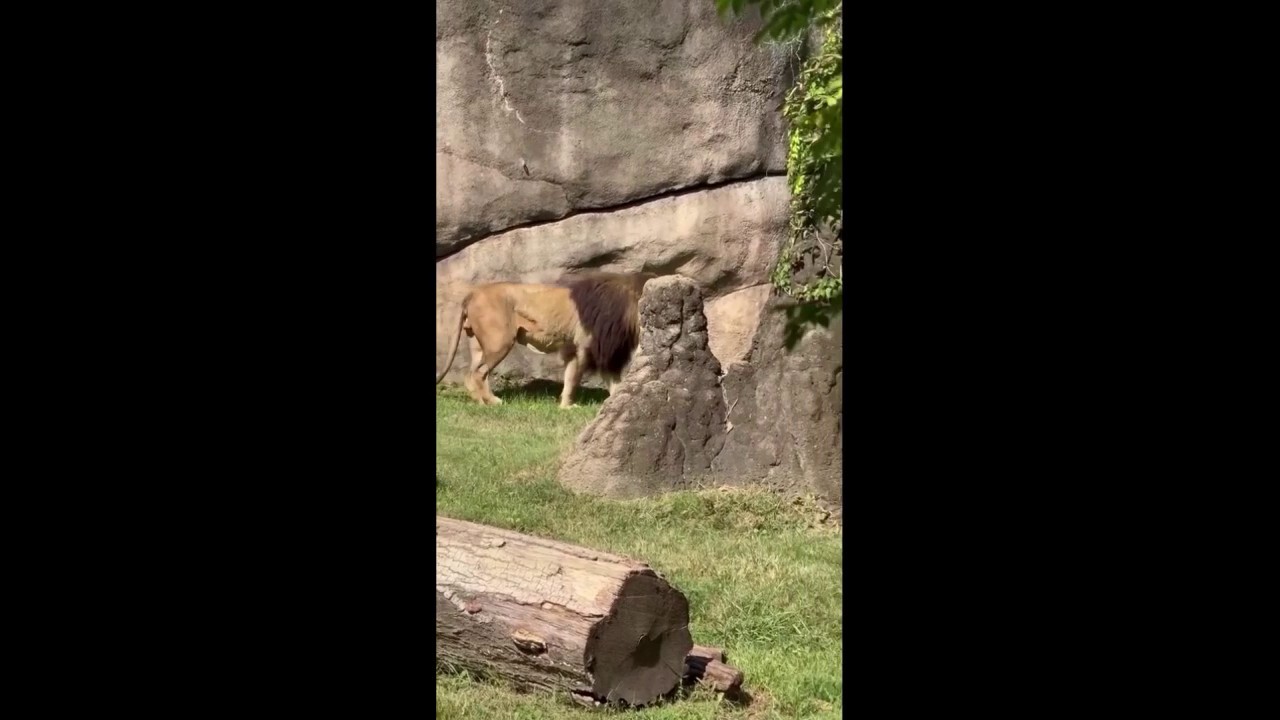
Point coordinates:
pixel 470 381
pixel 485 355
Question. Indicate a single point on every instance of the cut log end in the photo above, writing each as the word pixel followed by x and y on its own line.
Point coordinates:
pixel 637 653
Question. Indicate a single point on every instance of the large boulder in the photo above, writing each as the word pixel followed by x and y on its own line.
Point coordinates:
pixel 607 134
pixel 547 107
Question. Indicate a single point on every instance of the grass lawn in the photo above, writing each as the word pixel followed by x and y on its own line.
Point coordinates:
pixel 763 580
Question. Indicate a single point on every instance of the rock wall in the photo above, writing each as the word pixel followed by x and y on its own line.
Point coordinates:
pixel 607 134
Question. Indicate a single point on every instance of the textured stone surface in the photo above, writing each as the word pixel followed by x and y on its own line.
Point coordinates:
pixel 723 238
pixel 546 107
pixel 785 411
pixel 733 320
pixel 663 426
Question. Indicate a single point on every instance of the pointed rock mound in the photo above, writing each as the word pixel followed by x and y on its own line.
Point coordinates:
pixel 665 422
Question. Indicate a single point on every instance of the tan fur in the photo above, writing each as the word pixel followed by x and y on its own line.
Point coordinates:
pixel 497 316
pixel 547 319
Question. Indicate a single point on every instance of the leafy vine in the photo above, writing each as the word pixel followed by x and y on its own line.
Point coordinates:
pixel 809 266
pixel 810 263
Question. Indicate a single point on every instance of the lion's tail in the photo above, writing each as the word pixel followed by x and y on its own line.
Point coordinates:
pixel 453 342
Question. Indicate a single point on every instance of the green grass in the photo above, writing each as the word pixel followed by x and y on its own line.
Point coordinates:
pixel 762 578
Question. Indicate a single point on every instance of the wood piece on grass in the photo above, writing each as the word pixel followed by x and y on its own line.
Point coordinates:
pixel 707 652
pixel 705 665
pixel 548 615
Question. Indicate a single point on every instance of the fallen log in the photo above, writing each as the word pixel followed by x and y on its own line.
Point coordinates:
pixel 548 615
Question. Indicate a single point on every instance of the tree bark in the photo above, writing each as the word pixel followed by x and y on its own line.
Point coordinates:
pixel 548 615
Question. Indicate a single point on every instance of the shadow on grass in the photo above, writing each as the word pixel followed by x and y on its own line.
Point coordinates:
pixel 688 690
pixel 543 389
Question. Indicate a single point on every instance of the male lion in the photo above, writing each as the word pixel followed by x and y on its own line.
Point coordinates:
pixel 591 320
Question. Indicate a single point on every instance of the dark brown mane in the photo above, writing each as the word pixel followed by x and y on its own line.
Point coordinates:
pixel 607 305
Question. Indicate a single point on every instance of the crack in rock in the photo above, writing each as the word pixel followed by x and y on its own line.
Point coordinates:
pixel 466 242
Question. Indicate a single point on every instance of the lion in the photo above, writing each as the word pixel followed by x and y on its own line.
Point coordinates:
pixel 591 320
